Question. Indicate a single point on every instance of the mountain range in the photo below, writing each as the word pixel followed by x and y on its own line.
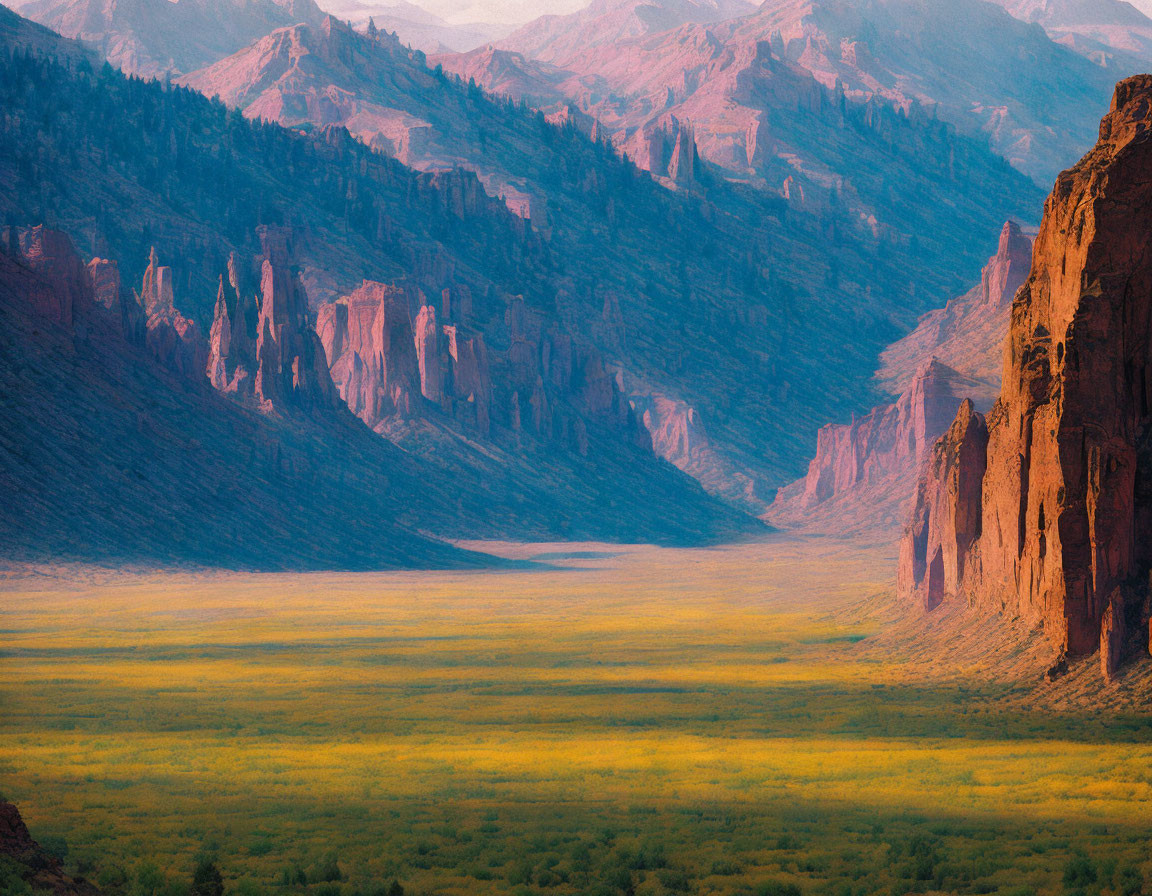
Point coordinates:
pixel 204 180
pixel 728 77
pixel 667 349
pixel 158 37
pixel 512 297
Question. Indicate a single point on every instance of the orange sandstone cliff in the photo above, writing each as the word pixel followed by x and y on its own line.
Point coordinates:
pixel 1047 513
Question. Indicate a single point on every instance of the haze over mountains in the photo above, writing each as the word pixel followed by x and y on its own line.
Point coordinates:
pixel 495 287
pixel 936 60
pixel 387 98
pixel 224 175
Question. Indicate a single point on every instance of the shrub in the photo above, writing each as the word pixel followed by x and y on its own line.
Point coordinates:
pixel 112 879
pixel 293 876
pixel 55 845
pixel 675 880
pixel 149 880
pixel 11 879
pixel 329 871
pixel 1131 881
pixel 206 879
pixel 1079 872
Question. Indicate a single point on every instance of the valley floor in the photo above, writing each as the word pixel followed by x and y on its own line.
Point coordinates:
pixel 612 720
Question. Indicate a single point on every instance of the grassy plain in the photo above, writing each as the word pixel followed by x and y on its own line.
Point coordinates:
pixel 639 721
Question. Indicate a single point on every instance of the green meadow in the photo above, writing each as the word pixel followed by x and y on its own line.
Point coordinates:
pixel 622 721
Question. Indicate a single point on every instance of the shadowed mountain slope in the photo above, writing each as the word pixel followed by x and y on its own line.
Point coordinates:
pixel 678 287
pixel 136 166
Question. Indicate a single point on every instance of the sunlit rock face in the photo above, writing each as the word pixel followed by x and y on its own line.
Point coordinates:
pixel 1065 505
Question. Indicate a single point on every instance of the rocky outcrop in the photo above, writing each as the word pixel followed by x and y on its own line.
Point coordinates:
pixel 51 254
pixel 368 342
pixel 388 365
pixel 937 548
pixel 968 332
pixel 232 364
pixel 108 293
pixel 1066 502
pixel 890 439
pixel 292 369
pixel 392 357
pixel 864 471
pixel 471 388
pixel 428 350
pixel 174 340
pixel 1113 635
pixel 41 871
pixel 668 149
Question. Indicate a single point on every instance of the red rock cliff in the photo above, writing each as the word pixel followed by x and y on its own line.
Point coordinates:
pixel 1066 503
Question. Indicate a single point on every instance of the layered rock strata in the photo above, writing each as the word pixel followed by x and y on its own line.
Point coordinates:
pixel 1065 505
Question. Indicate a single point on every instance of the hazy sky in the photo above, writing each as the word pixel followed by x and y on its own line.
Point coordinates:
pixel 524 10
pixel 514 11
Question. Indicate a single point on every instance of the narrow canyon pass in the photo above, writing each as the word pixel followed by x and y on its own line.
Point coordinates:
pixel 599 448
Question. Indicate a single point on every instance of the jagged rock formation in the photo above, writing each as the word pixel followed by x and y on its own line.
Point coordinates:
pixel 383 363
pixel 232 361
pixel 667 149
pixel 471 381
pixel 428 353
pixel 265 350
pixel 887 440
pixel 391 357
pixel 734 75
pixel 112 452
pixel 41 871
pixel 109 454
pixel 108 292
pixel 1113 634
pixel 174 340
pixel 947 521
pixel 968 332
pixel 49 253
pixel 1065 507
pixel 291 367
pixel 859 465
pixel 368 341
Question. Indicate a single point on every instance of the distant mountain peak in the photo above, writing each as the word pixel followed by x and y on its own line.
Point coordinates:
pixel 157 37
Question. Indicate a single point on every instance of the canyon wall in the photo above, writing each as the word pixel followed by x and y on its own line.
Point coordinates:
pixel 1058 529
pixel 863 475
